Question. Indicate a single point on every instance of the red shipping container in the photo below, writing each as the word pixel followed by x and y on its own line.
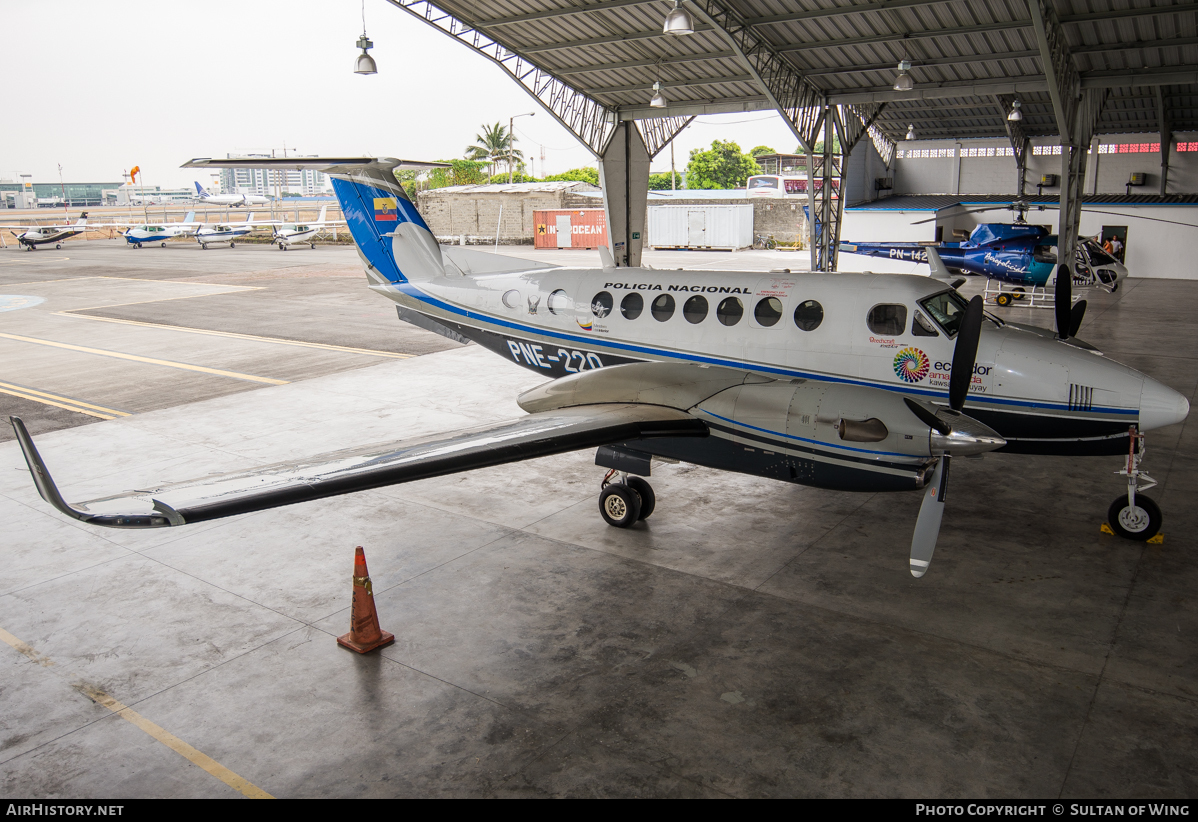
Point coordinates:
pixel 573 228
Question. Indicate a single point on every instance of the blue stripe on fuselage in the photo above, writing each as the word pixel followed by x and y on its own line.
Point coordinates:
pixel 596 344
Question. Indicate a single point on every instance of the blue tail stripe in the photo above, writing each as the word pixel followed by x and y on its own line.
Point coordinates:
pixel 357 205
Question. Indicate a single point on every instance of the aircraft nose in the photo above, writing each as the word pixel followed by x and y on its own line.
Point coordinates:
pixel 1160 405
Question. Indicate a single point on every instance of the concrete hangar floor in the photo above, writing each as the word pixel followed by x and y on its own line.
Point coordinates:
pixel 752 639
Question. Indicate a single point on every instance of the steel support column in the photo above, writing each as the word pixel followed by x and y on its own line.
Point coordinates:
pixel 624 175
pixel 1166 130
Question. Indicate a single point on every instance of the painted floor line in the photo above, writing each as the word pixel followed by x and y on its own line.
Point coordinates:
pixel 56 399
pixel 150 360
pixel 251 337
pixel 42 401
pixel 157 732
pixel 229 289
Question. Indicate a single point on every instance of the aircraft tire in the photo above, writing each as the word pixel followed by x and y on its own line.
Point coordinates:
pixel 1003 299
pixel 620 506
pixel 58 245
pixel 313 246
pixel 1020 293
pixel 282 247
pixel 232 245
pixel 164 245
pixel 1141 523
pixel 645 491
pixel 204 246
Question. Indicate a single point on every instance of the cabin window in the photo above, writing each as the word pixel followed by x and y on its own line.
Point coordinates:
pixel 923 327
pixel 632 306
pixel 662 308
pixel 809 315
pixel 601 304
pixel 511 298
pixel 695 309
pixel 768 311
pixel 947 308
pixel 558 302
pixel 730 311
pixel 887 319
pixel 1045 254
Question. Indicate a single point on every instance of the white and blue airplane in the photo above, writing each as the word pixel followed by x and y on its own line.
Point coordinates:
pixel 222 233
pixel 233 200
pixel 289 234
pixel 857 382
pixel 139 234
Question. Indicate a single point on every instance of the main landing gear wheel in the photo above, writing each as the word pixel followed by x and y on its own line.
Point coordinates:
pixel 204 246
pixel 1004 299
pixel 645 491
pixel 313 246
pixel 163 245
pixel 58 245
pixel 1140 522
pixel 232 245
pixel 620 505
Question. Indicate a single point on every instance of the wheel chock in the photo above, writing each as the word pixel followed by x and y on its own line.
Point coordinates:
pixel 1159 539
pixel 1106 529
pixel 364 632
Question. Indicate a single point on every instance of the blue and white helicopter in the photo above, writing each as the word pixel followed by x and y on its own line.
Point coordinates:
pixel 1016 254
pixel 858 382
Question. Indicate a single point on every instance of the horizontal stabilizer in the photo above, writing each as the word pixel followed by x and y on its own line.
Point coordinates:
pixel 372 466
pixel 470 261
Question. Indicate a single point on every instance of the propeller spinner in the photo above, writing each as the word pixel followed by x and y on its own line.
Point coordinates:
pixel 951 433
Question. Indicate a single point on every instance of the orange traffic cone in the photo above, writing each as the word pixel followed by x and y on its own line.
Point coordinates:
pixel 364 632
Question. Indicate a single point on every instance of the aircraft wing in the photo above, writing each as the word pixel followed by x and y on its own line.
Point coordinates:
pixel 329 165
pixel 374 466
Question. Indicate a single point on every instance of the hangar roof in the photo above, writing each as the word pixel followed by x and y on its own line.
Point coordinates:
pixel 963 54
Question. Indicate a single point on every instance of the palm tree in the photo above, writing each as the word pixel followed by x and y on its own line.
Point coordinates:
pixel 492 145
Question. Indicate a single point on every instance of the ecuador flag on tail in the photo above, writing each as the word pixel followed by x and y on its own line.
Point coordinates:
pixel 385 210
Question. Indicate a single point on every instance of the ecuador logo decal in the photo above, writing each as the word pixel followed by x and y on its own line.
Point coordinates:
pixel 385 210
pixel 911 365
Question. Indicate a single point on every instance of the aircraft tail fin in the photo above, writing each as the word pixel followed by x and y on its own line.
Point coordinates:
pixel 82 219
pixel 939 270
pixel 190 217
pixel 324 209
pixel 200 192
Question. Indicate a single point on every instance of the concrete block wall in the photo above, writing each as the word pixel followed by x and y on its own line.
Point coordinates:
pixel 477 215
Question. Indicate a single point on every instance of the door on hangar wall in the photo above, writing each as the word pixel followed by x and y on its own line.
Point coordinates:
pixel 564 237
pixel 1111 233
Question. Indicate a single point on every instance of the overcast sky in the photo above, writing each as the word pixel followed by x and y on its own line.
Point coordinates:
pixel 106 86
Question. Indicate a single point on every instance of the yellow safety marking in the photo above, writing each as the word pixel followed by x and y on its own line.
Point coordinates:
pixel 1106 529
pixel 252 337
pixel 135 358
pixel 237 783
pixel 1159 539
pixel 20 389
pixel 56 404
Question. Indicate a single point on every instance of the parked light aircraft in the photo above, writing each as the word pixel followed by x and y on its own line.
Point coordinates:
pixel 137 235
pixel 848 381
pixel 288 234
pixel 234 200
pixel 224 232
pixel 37 235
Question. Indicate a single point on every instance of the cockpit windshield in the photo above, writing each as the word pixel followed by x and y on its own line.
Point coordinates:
pixel 1096 254
pixel 948 309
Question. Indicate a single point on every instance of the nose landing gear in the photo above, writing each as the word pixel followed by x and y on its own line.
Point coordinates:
pixel 1134 515
pixel 626 502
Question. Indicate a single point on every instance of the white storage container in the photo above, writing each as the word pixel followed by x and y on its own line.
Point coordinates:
pixel 725 227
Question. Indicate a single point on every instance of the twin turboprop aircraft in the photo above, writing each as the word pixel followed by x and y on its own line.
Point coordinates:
pixel 34 236
pixel 847 381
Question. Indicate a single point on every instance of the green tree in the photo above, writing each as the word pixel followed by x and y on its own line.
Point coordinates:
pixel 459 173
pixel 721 166
pixel 585 174
pixel 759 150
pixel 492 146
pixel 661 181
pixel 517 177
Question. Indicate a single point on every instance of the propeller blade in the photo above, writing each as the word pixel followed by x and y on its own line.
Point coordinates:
pixel 927 527
pixel 927 417
pixel 1076 315
pixel 965 354
pixel 1063 300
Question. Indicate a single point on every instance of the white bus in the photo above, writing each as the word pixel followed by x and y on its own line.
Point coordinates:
pixel 781 185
